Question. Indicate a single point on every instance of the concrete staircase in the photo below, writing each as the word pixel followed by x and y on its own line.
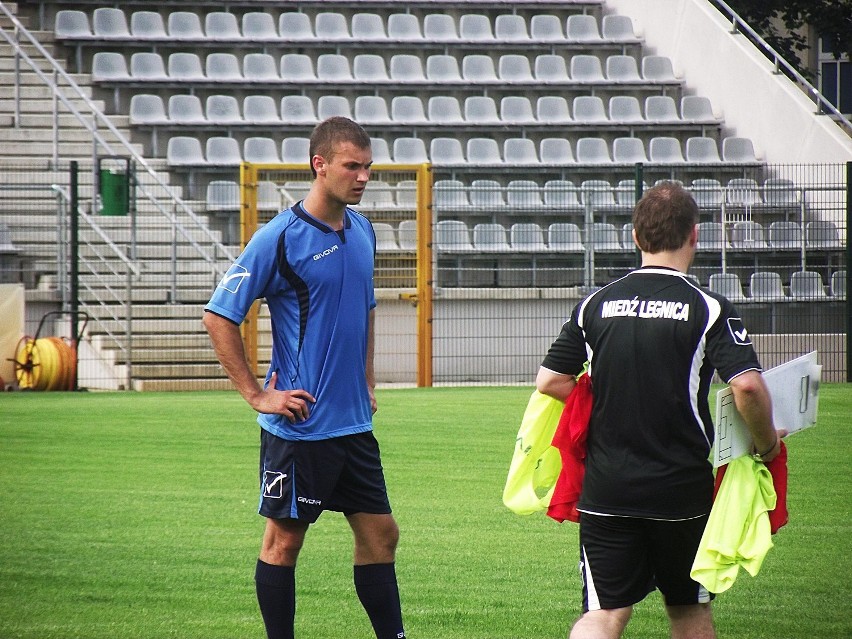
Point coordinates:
pixel 168 345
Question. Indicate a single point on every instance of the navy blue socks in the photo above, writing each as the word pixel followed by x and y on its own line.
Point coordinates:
pixel 379 594
pixel 276 594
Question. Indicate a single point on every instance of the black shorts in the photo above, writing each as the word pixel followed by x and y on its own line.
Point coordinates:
pixel 623 559
pixel 300 479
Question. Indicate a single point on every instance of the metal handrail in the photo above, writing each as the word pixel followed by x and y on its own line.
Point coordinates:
pixel 738 24
pixel 97 115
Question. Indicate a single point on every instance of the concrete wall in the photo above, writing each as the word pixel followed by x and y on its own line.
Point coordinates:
pixel 739 80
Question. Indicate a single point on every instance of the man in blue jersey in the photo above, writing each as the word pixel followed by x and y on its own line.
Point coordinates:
pixel 653 340
pixel 313 264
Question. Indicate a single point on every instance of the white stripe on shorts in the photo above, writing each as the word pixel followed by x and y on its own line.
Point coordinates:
pixel 593 602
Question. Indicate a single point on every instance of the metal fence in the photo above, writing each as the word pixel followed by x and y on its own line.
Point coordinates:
pixel 473 282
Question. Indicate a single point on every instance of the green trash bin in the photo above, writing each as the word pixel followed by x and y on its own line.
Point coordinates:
pixel 114 192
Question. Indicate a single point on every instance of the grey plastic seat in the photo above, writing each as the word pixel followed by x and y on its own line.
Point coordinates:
pixel 550 67
pixel 185 66
pixel 511 28
pixel 381 151
pixel 555 151
pixel 603 237
pixel 625 195
pixel 743 192
pixel 582 28
pixel 546 27
pixel 837 284
pixel 475 27
pixel 368 26
pixel 661 108
pixel 766 286
pixel 146 65
pixel 524 194
pixel 297 67
pixel 450 193
pixel 332 105
pixel 527 237
pixel 296 190
pixel 184 151
pixel 485 192
pixel 480 109
pixel 329 25
pixel 710 236
pixel 409 151
pixel 405 67
pixel 222 26
pixel 514 68
pixel 295 150
pixel 259 26
pixel 490 237
pixel 593 151
pixel 298 109
pixel 483 151
pixel 444 109
pixel 453 236
pixel 223 151
pixel 385 235
pixel 627 236
pixel 223 67
pixel 702 150
pixel 186 109
pixel 520 151
pixel 147 25
pixel 111 65
pixel 369 67
pixel 626 150
pixel 223 109
pixel 407 229
pixel 147 109
pixel 440 27
pixel 379 194
pixel 333 67
pixel 665 150
pixel 443 151
pixel 223 195
pixel 598 193
pixel 729 285
pixel 269 196
pixel 785 236
pixel 408 109
pixel 589 108
pixel 625 109
pixel 696 108
pixel 748 235
pixel 586 68
pixel 478 68
pixel 622 68
pixel 553 109
pixel 658 68
pixel 561 194
pixel 260 109
pixel 516 109
pixel 109 22
pixel 261 150
pixel 406 197
pixel 185 25
pixel 404 27
pixel 807 286
pixel 371 109
pixel 822 234
pixel 443 68
pixel 294 25
pixel 736 149
pixel 617 28
pixel 72 23
pixel 260 67
pixel 781 192
pixel 565 236
pixel 707 192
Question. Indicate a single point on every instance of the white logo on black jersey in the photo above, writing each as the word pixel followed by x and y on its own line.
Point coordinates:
pixel 738 331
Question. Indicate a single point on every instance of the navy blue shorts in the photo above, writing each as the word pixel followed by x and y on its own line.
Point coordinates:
pixel 623 559
pixel 300 479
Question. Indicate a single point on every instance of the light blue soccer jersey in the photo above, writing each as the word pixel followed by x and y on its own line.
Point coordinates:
pixel 318 285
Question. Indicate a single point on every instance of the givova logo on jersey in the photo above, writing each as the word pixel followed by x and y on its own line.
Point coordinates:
pixel 234 278
pixel 738 331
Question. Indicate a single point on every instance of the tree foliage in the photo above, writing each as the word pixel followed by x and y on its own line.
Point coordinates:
pixel 832 20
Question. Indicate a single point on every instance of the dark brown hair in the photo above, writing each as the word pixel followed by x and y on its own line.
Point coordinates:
pixel 664 218
pixel 332 131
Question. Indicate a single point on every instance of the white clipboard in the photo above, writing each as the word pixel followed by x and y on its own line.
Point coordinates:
pixel 794 389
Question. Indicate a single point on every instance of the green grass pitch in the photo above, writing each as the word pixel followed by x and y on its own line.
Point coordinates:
pixel 134 516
